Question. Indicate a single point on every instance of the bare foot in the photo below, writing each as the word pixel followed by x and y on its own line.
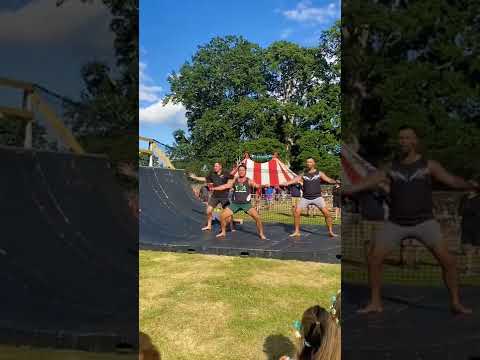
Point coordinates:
pixel 263 237
pixel 221 235
pixel 371 308
pixel 460 309
pixel 207 228
pixel 332 235
pixel 295 234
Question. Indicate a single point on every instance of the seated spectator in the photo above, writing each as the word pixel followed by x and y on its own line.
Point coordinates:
pixel 320 333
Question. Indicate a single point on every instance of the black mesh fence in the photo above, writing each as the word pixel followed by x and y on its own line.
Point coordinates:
pixel 278 208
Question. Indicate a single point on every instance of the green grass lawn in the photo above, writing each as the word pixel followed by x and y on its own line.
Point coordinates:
pixel 204 307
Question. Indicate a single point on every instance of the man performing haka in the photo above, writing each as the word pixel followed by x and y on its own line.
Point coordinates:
pixel 217 177
pixel 241 200
pixel 311 182
pixel 410 215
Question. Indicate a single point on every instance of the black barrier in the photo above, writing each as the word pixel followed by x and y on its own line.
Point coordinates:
pixel 69 253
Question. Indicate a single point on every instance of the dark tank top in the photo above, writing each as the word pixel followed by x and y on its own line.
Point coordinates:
pixel 312 188
pixel 410 193
pixel 241 192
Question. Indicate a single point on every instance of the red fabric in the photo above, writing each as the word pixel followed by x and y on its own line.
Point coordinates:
pixel 272 169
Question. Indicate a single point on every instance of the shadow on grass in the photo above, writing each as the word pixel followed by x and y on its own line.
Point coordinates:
pixel 276 346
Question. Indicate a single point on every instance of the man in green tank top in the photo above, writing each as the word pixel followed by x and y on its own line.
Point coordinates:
pixel 241 201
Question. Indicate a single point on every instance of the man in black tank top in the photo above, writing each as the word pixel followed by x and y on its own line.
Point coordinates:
pixel 215 178
pixel 241 201
pixel 311 181
pixel 411 215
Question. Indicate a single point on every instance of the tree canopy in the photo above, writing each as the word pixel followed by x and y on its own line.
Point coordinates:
pixel 414 63
pixel 239 96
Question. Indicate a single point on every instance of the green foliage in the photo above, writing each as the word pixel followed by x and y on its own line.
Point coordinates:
pixel 239 97
pixel 109 105
pixel 417 64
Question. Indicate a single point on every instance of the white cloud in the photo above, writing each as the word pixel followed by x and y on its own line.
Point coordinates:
pixel 148 91
pixel 169 114
pixel 43 21
pixel 306 13
pixel 155 112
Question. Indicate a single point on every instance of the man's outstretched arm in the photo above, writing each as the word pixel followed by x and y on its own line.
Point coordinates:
pixel 442 175
pixel 255 185
pixel 367 183
pixel 328 179
pixel 226 186
pixel 296 180
pixel 198 178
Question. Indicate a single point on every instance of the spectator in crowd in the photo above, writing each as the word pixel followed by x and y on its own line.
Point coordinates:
pixel 320 333
pixel 269 195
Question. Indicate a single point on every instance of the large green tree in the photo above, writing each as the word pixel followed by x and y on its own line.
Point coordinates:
pixel 414 63
pixel 240 96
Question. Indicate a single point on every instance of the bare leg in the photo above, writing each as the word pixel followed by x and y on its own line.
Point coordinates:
pixel 226 213
pixel 231 222
pixel 209 218
pixel 254 214
pixel 329 221
pixel 375 270
pixel 296 217
pixel 449 271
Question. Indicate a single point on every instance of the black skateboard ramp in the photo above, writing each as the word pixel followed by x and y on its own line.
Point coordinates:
pixel 68 253
pixel 171 219
pixel 416 324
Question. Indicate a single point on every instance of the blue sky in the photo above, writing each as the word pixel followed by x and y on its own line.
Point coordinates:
pixel 171 31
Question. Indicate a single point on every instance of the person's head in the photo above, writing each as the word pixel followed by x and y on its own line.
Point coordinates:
pixel 217 167
pixel 242 171
pixel 408 140
pixel 321 335
pixel 310 163
pixel 147 350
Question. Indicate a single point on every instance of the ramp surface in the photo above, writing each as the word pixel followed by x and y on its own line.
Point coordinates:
pixel 68 253
pixel 171 219
pixel 416 324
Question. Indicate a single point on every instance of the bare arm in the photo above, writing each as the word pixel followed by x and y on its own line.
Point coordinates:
pixel 226 186
pixel 198 178
pixel 327 179
pixel 297 180
pixel 367 183
pixel 255 185
pixel 442 175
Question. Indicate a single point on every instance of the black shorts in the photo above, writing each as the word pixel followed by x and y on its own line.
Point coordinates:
pixel 213 202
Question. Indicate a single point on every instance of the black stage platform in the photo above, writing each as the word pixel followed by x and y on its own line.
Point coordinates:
pixel 416 324
pixel 68 253
pixel 171 219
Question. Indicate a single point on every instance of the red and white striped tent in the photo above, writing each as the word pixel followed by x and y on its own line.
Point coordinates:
pixel 354 167
pixel 273 172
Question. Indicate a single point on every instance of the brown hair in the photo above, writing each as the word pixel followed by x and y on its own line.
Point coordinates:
pixel 147 350
pixel 321 335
